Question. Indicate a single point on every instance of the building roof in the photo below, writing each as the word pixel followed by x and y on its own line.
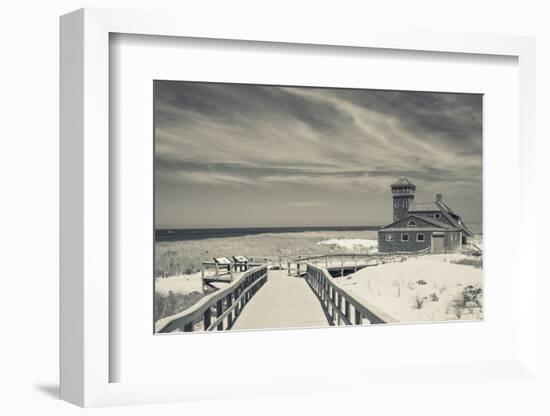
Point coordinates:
pixel 423 206
pixel 453 218
pixel 446 207
pixel 446 211
pixel 403 181
pixel 410 229
pixel 440 225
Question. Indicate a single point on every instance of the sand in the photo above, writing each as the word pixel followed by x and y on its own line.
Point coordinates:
pixel 392 287
pixel 184 283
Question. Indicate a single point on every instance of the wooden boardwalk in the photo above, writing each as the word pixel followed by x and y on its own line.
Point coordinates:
pixel 283 302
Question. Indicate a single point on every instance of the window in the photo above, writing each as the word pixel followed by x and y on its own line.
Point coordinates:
pixel 395 217
pixel 419 237
pixel 404 204
pixel 437 216
pixel 389 237
pixel 404 237
pixel 411 223
pixel 395 204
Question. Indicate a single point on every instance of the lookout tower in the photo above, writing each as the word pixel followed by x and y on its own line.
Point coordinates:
pixel 403 194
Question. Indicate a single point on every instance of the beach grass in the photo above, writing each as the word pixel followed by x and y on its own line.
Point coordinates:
pixel 474 262
pixel 185 257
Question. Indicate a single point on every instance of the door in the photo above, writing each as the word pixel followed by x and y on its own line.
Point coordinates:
pixel 438 243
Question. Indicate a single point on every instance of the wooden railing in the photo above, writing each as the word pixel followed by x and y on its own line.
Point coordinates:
pixel 356 260
pixel 340 306
pixel 226 268
pixel 219 310
pixel 471 248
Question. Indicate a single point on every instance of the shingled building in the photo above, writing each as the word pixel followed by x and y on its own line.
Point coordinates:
pixel 417 226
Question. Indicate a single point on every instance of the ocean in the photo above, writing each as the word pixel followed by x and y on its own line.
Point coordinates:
pixel 181 234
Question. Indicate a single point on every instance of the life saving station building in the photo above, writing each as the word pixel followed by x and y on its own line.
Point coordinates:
pixel 419 226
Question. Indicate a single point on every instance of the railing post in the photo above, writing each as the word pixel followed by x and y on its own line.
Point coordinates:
pixel 358 318
pixel 346 309
pixel 237 306
pixel 207 318
pixel 333 299
pixel 230 316
pixel 219 312
pixel 339 305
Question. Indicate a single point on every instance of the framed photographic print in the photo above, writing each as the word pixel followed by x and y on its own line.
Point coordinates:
pixel 279 198
pixel 287 207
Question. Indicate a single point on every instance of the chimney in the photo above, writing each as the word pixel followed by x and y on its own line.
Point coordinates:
pixel 438 197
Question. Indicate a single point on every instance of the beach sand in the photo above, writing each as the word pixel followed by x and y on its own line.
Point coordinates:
pixel 392 287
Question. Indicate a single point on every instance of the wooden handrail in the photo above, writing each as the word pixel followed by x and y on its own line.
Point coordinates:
pixel 337 302
pixel 235 304
pixel 383 257
pixel 374 255
pixel 225 301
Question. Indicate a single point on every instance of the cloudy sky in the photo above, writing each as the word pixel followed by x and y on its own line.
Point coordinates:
pixel 233 155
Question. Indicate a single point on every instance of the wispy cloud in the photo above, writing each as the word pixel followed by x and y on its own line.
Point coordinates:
pixel 271 139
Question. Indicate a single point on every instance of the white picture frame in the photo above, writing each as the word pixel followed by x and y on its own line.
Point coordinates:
pixel 85 210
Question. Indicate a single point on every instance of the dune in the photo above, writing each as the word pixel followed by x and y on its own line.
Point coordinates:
pixel 434 279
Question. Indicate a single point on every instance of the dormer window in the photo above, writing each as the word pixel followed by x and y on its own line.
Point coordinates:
pixel 437 216
pixel 411 223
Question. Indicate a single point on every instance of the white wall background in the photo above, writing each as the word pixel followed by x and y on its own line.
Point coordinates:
pixel 29 201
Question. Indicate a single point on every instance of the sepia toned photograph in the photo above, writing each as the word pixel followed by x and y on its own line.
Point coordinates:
pixel 280 207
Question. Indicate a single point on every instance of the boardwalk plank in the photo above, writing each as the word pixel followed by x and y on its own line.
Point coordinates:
pixel 283 302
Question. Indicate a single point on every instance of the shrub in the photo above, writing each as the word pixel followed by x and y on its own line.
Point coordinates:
pixel 477 263
pixel 433 297
pixel 173 303
pixel 421 282
pixel 418 301
pixel 470 298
